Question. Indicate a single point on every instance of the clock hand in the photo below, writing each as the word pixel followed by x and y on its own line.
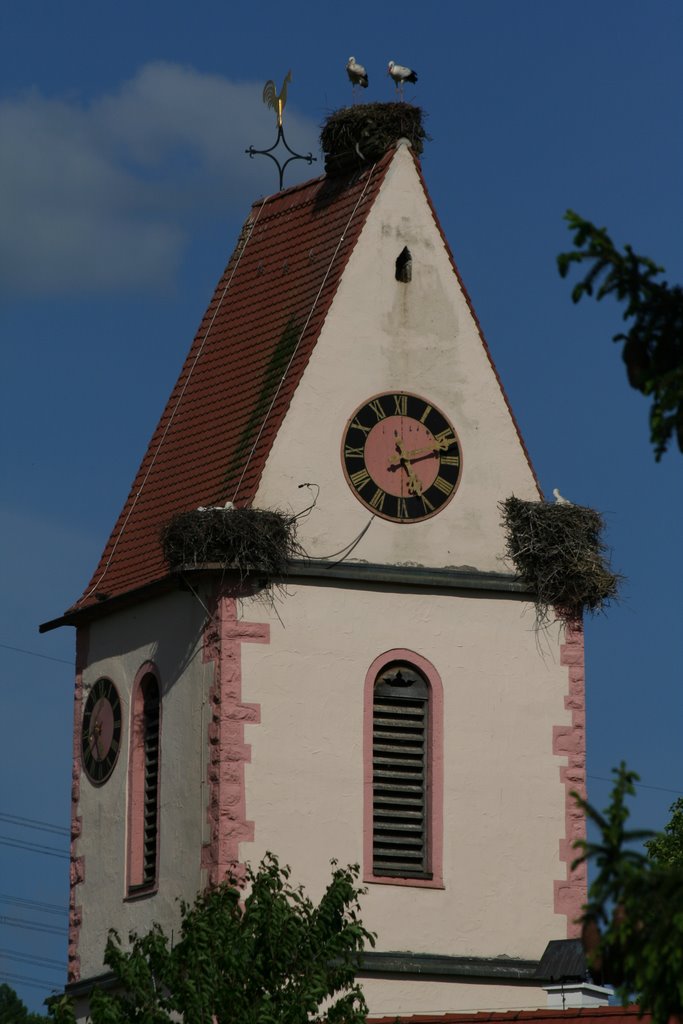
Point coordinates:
pixel 416 453
pixel 95 736
pixel 414 484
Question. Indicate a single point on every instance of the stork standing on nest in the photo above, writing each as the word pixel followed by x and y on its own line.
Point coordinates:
pixel 276 100
pixel 400 75
pixel 559 500
pixel 357 74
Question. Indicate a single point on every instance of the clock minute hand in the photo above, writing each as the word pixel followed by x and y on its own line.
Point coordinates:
pixel 416 453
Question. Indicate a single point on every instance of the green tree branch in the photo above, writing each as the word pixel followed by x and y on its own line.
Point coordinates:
pixel 633 921
pixel 653 343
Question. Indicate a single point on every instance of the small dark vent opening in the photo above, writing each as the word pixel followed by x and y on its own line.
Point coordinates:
pixel 404 266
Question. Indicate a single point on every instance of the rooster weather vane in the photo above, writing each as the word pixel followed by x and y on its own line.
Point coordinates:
pixel 277 101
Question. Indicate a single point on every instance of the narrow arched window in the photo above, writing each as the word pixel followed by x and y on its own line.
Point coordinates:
pixel 143 781
pixel 403 771
pixel 400 721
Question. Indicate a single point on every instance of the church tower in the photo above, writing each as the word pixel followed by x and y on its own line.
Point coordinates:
pixel 391 705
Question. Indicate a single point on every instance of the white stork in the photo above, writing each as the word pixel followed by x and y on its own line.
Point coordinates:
pixel 357 74
pixel 400 75
pixel 559 499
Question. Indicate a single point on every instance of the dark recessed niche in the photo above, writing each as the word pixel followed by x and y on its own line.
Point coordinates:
pixel 404 266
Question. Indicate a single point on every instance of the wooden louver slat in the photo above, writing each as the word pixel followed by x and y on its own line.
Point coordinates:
pixel 400 719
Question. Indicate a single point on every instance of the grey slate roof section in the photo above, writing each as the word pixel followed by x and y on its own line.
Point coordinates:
pixel 563 960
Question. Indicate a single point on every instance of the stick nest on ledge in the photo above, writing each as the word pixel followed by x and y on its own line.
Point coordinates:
pixel 355 136
pixel 559 550
pixel 254 542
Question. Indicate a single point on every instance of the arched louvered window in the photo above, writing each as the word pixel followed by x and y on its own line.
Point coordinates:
pixel 400 723
pixel 143 783
pixel 403 772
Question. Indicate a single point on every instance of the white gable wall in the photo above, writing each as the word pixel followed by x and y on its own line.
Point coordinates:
pixel 383 335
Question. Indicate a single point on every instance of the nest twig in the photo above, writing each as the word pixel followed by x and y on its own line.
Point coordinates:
pixel 559 550
pixel 253 542
pixel 355 136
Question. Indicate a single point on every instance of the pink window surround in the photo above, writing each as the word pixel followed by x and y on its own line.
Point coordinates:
pixel 136 884
pixel 571 892
pixel 434 770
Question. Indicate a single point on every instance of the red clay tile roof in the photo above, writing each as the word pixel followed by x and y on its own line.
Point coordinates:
pixel 245 363
pixel 582 1015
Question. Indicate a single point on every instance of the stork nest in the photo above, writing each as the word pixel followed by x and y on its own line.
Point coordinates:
pixel 559 550
pixel 254 542
pixel 355 136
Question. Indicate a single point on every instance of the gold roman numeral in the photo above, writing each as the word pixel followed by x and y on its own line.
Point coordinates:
pixel 376 407
pixel 428 507
pixel 401 405
pixel 360 479
pixel 426 413
pixel 402 509
pixel 450 460
pixel 359 426
pixel 445 438
pixel 443 485
pixel 377 500
pixel 353 453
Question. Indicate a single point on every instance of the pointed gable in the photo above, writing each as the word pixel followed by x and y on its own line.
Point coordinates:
pixel 386 337
pixel 244 365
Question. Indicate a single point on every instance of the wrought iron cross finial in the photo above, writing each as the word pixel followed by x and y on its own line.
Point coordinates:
pixel 277 101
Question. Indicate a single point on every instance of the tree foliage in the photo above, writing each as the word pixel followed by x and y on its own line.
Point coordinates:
pixel 14 1011
pixel 633 921
pixel 653 342
pixel 666 848
pixel 272 956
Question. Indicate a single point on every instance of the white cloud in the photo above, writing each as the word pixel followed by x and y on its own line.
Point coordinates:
pixel 101 196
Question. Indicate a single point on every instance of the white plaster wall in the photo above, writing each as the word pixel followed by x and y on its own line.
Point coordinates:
pixel 167 632
pixel 504 810
pixel 438 996
pixel 382 335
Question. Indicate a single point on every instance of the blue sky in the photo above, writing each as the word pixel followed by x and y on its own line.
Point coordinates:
pixel 124 185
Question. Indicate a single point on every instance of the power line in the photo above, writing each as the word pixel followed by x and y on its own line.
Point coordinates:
pixel 43 826
pixel 34 654
pixel 45 908
pixel 639 785
pixel 17 922
pixel 48 851
pixel 33 982
pixel 39 961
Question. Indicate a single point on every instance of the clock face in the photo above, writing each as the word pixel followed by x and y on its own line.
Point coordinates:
pixel 101 731
pixel 401 457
